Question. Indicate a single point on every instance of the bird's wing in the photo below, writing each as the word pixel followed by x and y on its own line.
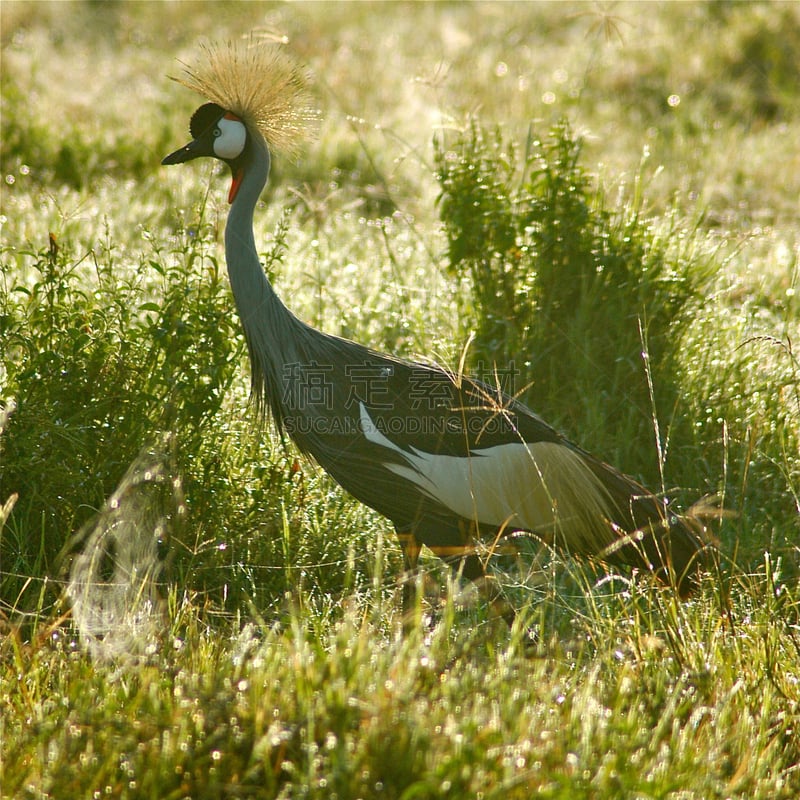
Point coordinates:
pixel 431 451
pixel 542 486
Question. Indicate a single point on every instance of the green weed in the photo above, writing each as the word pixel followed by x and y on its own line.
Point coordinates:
pixel 101 365
pixel 581 306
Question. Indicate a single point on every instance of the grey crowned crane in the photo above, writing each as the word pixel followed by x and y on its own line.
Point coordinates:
pixel 447 459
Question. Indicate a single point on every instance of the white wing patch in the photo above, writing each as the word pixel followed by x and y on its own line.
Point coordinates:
pixel 544 487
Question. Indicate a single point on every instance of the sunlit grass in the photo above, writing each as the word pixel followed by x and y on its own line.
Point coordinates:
pixel 658 698
pixel 281 670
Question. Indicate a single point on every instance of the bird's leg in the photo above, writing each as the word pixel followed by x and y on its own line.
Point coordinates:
pixel 466 563
pixel 410 547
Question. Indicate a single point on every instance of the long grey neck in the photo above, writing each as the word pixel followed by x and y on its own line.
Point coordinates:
pixel 272 332
pixel 251 289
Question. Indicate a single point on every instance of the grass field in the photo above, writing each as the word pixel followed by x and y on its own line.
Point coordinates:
pixel 604 196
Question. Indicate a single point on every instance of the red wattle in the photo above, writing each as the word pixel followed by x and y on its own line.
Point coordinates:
pixel 236 182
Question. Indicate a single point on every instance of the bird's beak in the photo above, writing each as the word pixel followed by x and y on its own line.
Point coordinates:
pixel 204 146
pixel 195 149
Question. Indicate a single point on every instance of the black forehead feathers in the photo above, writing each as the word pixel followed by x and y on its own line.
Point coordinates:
pixel 204 118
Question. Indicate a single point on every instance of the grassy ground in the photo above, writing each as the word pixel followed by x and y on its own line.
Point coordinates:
pixel 638 194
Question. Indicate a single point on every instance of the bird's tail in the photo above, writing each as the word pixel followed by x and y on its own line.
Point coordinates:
pixel 648 535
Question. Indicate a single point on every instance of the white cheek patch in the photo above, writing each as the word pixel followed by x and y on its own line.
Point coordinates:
pixel 230 143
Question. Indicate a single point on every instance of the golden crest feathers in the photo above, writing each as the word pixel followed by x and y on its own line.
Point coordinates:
pixel 258 83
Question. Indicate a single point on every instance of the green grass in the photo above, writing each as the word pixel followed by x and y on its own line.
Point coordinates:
pixel 604 195
pixel 647 698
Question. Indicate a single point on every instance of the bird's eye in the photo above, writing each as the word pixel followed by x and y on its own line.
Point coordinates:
pixel 216 133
